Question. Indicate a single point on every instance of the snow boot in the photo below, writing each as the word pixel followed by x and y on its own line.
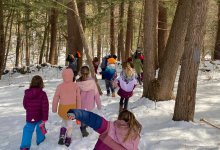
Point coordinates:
pixel 120 108
pixel 68 141
pixel 113 94
pixel 84 132
pixel 62 136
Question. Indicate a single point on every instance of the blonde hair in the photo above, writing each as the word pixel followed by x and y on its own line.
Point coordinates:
pixel 84 73
pixel 134 126
pixel 128 69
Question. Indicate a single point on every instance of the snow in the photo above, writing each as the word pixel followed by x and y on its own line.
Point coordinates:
pixel 159 131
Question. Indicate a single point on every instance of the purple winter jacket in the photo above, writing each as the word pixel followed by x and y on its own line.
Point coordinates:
pixel 36 104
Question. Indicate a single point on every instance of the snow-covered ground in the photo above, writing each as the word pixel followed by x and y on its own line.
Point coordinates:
pixel 159 131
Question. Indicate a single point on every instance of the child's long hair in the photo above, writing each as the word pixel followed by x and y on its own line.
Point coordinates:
pixel 128 69
pixel 37 82
pixel 134 125
pixel 84 73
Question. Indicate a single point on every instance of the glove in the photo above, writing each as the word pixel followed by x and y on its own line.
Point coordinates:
pixel 78 122
pixel 43 128
pixel 70 115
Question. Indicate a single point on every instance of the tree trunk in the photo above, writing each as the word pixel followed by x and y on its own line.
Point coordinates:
pixel 99 40
pixel 18 40
pixel 150 44
pixel 140 30
pixel 129 31
pixel 48 42
pixel 121 49
pixel 27 26
pixel 74 40
pixel 2 39
pixel 174 50
pixel 186 94
pixel 112 29
pixel 85 45
pixel 53 33
pixel 162 31
pixel 9 41
pixel 217 43
pixel 43 43
pixel 92 42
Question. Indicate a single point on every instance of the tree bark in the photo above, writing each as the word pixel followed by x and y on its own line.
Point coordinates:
pixel 129 32
pixel 85 45
pixel 2 39
pixel 27 26
pixel 217 43
pixel 140 30
pixel 121 47
pixel 162 31
pixel 186 94
pixel 112 29
pixel 174 50
pixel 150 45
pixel 18 40
pixel 53 33
pixel 9 40
pixel 74 40
pixel 42 50
pixel 99 40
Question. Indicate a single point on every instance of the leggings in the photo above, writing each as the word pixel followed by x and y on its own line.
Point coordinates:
pixel 124 102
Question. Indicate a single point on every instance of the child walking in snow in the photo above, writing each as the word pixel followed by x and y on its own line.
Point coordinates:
pixel 67 95
pixel 126 82
pixel 36 104
pixel 110 74
pixel 89 94
pixel 122 134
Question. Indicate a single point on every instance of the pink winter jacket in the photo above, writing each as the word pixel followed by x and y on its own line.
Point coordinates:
pixel 67 92
pixel 89 94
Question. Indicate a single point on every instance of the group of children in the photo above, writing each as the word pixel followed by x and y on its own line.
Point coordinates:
pixel 76 100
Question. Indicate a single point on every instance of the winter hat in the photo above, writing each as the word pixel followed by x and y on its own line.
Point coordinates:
pixel 111 61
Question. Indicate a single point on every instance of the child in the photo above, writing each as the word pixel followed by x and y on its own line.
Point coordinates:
pixel 138 65
pixel 126 82
pixel 122 134
pixel 110 74
pixel 68 96
pixel 89 94
pixel 95 63
pixel 36 104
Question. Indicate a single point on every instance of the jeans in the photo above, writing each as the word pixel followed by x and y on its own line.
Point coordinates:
pixel 109 86
pixel 28 132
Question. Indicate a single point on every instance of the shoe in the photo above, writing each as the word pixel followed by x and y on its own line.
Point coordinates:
pixel 68 141
pixel 120 108
pixel 84 132
pixel 62 136
pixel 113 94
pixel 108 94
pixel 24 149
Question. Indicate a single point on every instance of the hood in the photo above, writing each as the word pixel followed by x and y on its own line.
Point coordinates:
pixel 33 92
pixel 88 85
pixel 67 75
pixel 121 130
pixel 121 127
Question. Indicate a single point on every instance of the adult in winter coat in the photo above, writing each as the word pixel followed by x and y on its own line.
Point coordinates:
pixel 121 134
pixel 36 104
